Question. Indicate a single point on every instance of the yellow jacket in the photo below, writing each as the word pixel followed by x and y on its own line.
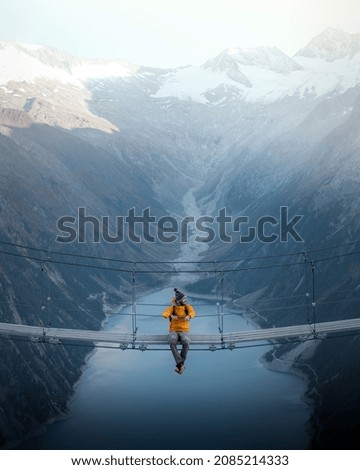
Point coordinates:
pixel 179 323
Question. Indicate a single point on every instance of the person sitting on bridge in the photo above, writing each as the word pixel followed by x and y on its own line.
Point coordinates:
pixel 179 314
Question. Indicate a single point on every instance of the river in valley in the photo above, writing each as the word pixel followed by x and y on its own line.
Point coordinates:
pixel 224 400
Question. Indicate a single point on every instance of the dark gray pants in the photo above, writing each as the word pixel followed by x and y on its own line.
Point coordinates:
pixel 184 339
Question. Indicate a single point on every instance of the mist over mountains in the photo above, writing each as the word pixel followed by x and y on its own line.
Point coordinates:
pixel 251 130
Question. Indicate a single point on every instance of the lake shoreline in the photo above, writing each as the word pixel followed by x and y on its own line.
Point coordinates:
pixel 286 363
pixel 112 315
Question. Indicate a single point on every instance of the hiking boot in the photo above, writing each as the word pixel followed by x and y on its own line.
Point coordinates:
pixel 180 368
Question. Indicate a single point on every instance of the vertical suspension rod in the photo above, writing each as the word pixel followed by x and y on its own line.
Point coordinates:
pixel 217 297
pixel 313 296
pixel 133 305
pixel 307 293
pixel 222 307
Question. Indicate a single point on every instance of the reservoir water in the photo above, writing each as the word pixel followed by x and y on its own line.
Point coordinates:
pixel 224 400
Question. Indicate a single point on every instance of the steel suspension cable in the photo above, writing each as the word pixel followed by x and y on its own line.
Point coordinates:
pixel 133 305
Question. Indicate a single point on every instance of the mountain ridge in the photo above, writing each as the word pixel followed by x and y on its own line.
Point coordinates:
pixel 254 74
pixel 331 44
pixel 242 137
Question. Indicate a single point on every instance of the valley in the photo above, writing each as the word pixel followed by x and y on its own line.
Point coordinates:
pixel 252 130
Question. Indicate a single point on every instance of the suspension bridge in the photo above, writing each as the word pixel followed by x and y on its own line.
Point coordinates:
pixel 220 341
pixel 143 342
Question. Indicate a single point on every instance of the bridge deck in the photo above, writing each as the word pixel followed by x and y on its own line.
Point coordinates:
pixel 143 341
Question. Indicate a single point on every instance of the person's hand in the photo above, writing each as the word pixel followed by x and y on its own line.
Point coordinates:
pixel 187 317
pixel 173 317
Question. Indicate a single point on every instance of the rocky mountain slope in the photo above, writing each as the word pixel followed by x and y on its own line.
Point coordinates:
pixel 49 173
pixel 252 130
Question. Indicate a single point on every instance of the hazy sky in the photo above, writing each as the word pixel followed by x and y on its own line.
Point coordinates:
pixel 172 32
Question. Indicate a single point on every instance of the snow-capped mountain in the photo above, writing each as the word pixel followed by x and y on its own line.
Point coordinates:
pixel 330 63
pixel 26 62
pixel 331 45
pixel 117 98
pixel 268 58
pixel 250 130
pixel 267 74
pixel 41 79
